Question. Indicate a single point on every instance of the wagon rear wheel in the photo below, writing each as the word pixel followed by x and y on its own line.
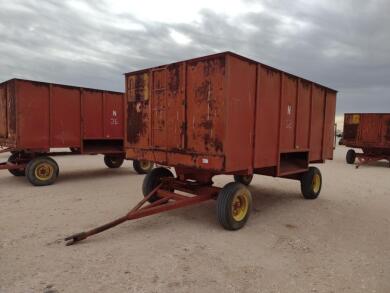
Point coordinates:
pixel 244 179
pixel 113 161
pixel 351 156
pixel 234 204
pixel 13 159
pixel 152 180
pixel 42 171
pixel 142 167
pixel 311 183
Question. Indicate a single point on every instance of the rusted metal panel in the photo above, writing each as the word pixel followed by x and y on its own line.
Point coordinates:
pixel 267 124
pixel 303 115
pixel 249 115
pixel 65 116
pixel 138 110
pixel 3 112
pixel 288 113
pixel 239 131
pixel 33 115
pixel 317 123
pixel 367 130
pixel 329 138
pixel 206 105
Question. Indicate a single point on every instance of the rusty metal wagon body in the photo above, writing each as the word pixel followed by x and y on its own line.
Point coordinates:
pixel 369 132
pixel 38 120
pixel 223 114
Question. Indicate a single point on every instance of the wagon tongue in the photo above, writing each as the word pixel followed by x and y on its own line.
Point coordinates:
pixel 133 214
pixel 83 235
pixel 75 238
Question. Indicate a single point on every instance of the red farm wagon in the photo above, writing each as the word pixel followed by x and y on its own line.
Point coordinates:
pixel 38 120
pixel 223 114
pixel 369 132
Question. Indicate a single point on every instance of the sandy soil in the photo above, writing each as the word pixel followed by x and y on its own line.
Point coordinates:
pixel 337 243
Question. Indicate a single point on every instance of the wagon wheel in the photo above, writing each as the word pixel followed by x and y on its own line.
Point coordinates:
pixel 152 180
pixel 13 159
pixel 143 167
pixel 42 171
pixel 244 179
pixel 350 157
pixel 234 204
pixel 113 161
pixel 311 183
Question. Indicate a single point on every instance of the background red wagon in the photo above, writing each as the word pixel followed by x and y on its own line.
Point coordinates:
pixel 368 132
pixel 39 119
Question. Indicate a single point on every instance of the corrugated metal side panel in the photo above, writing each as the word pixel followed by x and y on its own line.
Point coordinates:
pixel 240 110
pixel 303 115
pixel 65 117
pixel 317 123
pixel 205 89
pixel 3 111
pixel 386 130
pixel 138 93
pixel 370 128
pixel 267 117
pixel 176 106
pixel 113 115
pixel 329 135
pixel 33 114
pixel 93 127
pixel 12 112
pixel 288 113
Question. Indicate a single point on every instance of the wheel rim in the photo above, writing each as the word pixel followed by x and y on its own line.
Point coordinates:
pixel 240 205
pixel 145 165
pixel 316 183
pixel 44 171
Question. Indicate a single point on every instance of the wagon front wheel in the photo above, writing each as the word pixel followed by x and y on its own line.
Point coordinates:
pixel 244 179
pixel 350 157
pixel 142 167
pixel 42 171
pixel 13 159
pixel 234 204
pixel 311 183
pixel 152 180
pixel 113 161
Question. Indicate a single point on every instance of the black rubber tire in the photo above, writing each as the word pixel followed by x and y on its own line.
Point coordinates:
pixel 113 161
pixel 224 206
pixel 307 188
pixel 16 172
pixel 152 180
pixel 141 168
pixel 74 150
pixel 36 163
pixel 351 156
pixel 244 179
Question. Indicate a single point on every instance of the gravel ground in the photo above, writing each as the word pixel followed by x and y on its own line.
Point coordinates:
pixel 337 243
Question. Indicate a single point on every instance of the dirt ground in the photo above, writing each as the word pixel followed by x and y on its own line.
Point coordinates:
pixel 337 243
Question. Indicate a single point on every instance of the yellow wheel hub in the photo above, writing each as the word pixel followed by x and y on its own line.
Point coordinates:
pixel 44 171
pixel 316 183
pixel 240 205
pixel 145 165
